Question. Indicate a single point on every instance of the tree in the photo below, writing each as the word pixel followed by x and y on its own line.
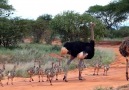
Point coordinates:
pixel 24 25
pixel 10 33
pixel 5 9
pixel 108 15
pixel 5 24
pixel 40 26
pixel 71 26
pixel 64 25
pixel 122 6
pixel 46 17
pixel 122 32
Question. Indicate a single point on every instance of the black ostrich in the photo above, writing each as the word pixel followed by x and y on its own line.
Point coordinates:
pixel 124 51
pixel 81 50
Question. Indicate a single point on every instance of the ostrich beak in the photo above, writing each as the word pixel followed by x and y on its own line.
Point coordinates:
pixel 63 51
pixel 81 55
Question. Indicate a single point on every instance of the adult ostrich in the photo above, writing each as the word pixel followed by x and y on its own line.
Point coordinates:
pixel 124 51
pixel 81 50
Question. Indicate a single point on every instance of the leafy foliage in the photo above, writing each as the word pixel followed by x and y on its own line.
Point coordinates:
pixel 10 33
pixel 122 32
pixel 71 26
pixel 40 26
pixel 108 15
pixel 122 6
pixel 5 9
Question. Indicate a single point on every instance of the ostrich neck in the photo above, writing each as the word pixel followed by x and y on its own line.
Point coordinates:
pixel 92 32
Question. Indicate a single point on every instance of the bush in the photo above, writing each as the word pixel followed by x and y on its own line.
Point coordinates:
pixel 10 32
pixel 122 32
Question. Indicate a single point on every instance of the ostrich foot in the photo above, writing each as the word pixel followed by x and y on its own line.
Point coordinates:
pixel 64 79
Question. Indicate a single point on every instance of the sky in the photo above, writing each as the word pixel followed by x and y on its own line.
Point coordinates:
pixel 31 9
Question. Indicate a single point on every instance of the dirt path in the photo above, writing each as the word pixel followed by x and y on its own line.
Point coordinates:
pixel 115 78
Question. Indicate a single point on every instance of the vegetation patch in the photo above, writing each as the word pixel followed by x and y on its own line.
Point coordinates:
pixel 104 56
pixel 25 55
pixel 104 88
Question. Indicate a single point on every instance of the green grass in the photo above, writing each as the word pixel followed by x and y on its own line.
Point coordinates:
pixel 112 39
pixel 103 88
pixel 107 54
pixel 41 47
pixel 25 54
pixel 102 55
pixel 124 87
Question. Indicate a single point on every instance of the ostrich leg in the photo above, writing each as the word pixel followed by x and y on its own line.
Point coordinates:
pixel 80 68
pixel 66 68
pixel 127 69
pixel 81 56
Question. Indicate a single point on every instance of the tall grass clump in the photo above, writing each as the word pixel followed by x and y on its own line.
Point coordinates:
pixel 22 71
pixel 29 52
pixel 44 48
pixel 26 55
pixel 5 51
pixel 5 54
pixel 104 55
pixel 45 62
pixel 103 88
pixel 26 52
pixel 112 39
pixel 123 87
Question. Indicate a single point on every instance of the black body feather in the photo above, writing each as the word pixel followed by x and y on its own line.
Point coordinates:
pixel 123 47
pixel 74 48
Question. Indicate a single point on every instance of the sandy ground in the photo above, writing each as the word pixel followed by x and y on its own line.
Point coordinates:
pixel 115 78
